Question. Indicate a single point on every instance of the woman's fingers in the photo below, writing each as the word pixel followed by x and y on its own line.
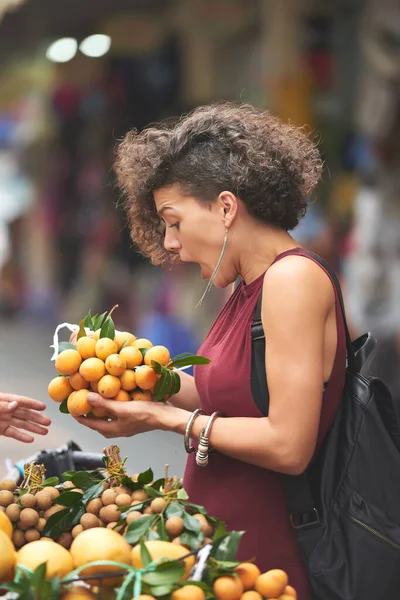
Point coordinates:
pixel 29 426
pixel 27 414
pixel 23 401
pixel 18 435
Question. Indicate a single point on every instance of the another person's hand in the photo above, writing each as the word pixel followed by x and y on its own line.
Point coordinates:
pixel 20 412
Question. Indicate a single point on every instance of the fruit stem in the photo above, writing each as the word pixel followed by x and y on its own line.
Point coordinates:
pixel 33 477
pixel 115 466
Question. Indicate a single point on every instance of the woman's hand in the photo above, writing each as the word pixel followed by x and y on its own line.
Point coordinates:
pixel 130 418
pixel 20 412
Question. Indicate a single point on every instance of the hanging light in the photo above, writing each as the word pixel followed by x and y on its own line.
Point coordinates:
pixel 95 45
pixel 62 50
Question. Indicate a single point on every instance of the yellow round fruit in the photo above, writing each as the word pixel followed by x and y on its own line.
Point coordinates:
pixel 109 386
pixel 146 377
pixel 132 356
pixel 128 380
pixel 100 543
pixel 228 587
pixel 78 592
pixel 290 591
pixel 105 347
pixel 251 595
pixel 68 361
pixel 6 525
pixel 248 573
pixel 59 388
pixel 78 382
pixel 272 583
pixel 86 347
pixel 115 365
pixel 122 396
pixel 142 343
pixel 139 395
pixel 7 557
pixel 159 549
pixel 188 592
pixel 124 336
pixel 158 353
pixel 58 559
pixel 77 403
pixel 96 335
pixel 92 369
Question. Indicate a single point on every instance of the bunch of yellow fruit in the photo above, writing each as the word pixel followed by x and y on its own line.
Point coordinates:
pixel 119 369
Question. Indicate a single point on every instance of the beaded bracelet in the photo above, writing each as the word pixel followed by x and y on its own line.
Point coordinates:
pixel 188 430
pixel 203 448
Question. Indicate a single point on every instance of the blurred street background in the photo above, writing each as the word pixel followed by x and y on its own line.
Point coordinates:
pixel 74 77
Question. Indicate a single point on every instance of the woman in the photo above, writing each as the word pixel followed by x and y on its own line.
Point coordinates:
pixel 21 413
pixel 221 187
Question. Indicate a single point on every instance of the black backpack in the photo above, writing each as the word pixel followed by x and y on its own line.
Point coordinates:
pixel 345 508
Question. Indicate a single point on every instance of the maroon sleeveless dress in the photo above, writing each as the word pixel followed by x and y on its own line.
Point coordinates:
pixel 249 498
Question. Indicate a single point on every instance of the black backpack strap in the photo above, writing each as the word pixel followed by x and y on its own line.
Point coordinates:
pixel 259 388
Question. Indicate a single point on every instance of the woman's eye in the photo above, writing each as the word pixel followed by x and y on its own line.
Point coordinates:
pixel 175 225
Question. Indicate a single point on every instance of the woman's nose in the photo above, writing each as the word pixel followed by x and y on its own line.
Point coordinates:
pixel 171 243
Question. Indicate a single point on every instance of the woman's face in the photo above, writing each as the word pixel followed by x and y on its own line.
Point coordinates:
pixel 193 230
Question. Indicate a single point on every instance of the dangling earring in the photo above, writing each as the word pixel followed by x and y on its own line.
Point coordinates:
pixel 215 272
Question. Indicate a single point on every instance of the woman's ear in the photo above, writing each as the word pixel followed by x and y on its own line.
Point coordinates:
pixel 229 205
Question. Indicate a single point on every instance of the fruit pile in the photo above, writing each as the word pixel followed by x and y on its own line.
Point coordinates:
pixel 114 364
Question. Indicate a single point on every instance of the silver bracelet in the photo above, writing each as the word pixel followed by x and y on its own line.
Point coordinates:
pixel 188 430
pixel 203 448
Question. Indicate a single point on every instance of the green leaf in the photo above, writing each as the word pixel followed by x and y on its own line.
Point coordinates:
pixel 163 386
pixel 145 554
pixel 196 507
pixel 226 546
pixel 39 575
pixel 152 492
pixel 98 321
pixel 68 498
pixel 174 510
pixel 132 485
pixel 144 351
pixel 176 383
pixel 63 407
pixel 161 590
pixel 87 321
pixel 192 539
pixel 138 528
pixel 53 481
pixel 166 573
pixel 65 346
pixel 80 479
pixel 108 329
pixel 125 343
pixel 161 529
pixel 146 477
pixel 220 531
pixel 92 492
pixel 182 494
pixel 152 535
pixel 157 485
pixel 191 523
pixel 189 360
pixel 81 332
pixel 156 366
pixel 63 520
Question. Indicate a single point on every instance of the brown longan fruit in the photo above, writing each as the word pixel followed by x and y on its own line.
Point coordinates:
pixel 207 540
pixel 18 538
pixel 65 539
pixel 123 500
pixel 54 493
pixel 52 510
pixel 123 489
pixel 8 484
pixel 94 506
pixel 13 511
pixel 177 540
pixel 76 530
pixel 44 499
pixel 89 520
pixel 31 535
pixel 108 497
pixel 205 526
pixel 174 526
pixel 6 498
pixel 28 518
pixel 41 524
pixel 139 495
pixel 158 505
pixel 113 526
pixel 106 485
pixel 28 501
pixel 148 510
pixel 132 516
pixel 67 485
pixel 110 513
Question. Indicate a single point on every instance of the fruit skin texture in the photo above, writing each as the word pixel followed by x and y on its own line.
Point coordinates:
pixel 7 557
pixel 138 396
pixel 158 353
pixel 146 377
pixel 115 365
pixel 290 591
pixel 251 595
pixel 100 543
pixel 122 336
pixel 78 382
pixel 77 403
pixel 86 347
pixel 248 573
pixel 132 356
pixel 105 347
pixel 78 593
pixel 59 388
pixel 188 592
pixel 228 588
pixel 128 380
pixel 6 525
pixel 68 361
pixel 109 386
pixel 92 369
pixel 160 549
pixel 272 583
pixel 59 560
pixel 142 343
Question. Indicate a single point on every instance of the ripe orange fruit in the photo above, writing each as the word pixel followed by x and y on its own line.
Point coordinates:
pixel 290 591
pixel 146 377
pixel 7 558
pixel 188 592
pixel 86 347
pixel 104 347
pixel 251 595
pixel 139 395
pixel 78 592
pixel 228 588
pixel 248 573
pixel 122 336
pixel 92 369
pixel 58 560
pixel 94 386
pixel 59 388
pixel 6 525
pixel 132 356
pixel 109 386
pixel 68 361
pixel 77 403
pixel 272 583
pixel 142 343
pixel 115 365
pixel 128 380
pixel 122 396
pixel 158 353
pixel 78 382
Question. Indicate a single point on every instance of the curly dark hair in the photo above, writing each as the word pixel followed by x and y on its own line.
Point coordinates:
pixel 270 165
